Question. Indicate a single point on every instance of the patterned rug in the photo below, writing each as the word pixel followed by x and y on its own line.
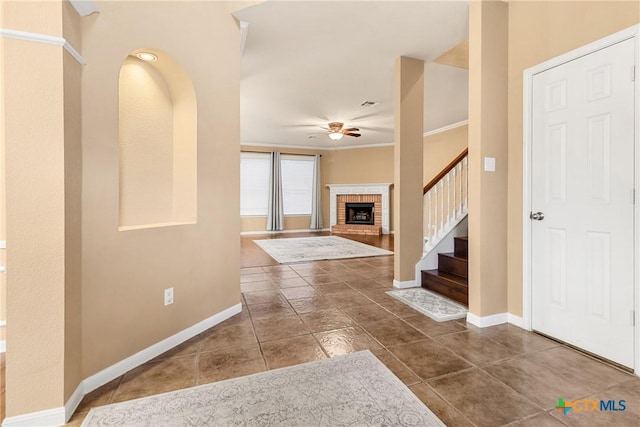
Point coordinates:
pixel 433 305
pixel 301 249
pixel 351 390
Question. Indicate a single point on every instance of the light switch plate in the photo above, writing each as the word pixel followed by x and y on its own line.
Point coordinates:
pixel 490 164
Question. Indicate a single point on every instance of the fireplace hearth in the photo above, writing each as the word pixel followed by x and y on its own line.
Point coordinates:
pixel 360 213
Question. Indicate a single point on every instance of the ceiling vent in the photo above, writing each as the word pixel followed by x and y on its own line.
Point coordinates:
pixel 369 103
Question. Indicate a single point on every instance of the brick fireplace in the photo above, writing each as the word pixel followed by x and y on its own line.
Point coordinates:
pixel 359 197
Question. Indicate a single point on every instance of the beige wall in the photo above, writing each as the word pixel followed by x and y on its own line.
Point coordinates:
pixel 440 149
pixel 73 205
pixel 33 131
pixel 488 117
pixel 407 162
pixel 539 31
pixel 354 166
pixel 124 273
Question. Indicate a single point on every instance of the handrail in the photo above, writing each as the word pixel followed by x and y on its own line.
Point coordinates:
pixel 445 171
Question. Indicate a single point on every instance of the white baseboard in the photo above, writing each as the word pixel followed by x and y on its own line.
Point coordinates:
pixel 404 284
pixel 256 233
pixel 515 320
pixel 49 417
pixel 59 416
pixel 114 371
pixel 486 321
pixel 73 402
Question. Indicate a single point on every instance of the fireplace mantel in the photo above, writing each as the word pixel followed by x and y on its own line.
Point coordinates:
pixel 382 189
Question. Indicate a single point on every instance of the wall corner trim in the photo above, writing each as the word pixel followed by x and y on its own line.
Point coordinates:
pixel 84 7
pixel 486 321
pixel 45 39
pixel 404 284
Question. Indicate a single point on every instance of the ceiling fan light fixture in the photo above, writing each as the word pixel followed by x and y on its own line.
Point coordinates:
pixel 336 136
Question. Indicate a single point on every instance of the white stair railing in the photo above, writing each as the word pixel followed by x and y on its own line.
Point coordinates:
pixel 445 200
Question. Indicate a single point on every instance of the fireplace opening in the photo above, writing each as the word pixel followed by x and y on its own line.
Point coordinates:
pixel 359 213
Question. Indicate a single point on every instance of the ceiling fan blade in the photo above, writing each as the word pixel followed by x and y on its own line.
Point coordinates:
pixel 351 130
pixel 357 135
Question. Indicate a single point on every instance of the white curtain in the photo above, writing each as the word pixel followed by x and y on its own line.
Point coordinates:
pixel 275 212
pixel 316 191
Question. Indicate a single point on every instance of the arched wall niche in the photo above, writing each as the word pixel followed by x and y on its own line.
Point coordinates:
pixel 158 143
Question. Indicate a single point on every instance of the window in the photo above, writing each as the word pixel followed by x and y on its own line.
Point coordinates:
pixel 297 184
pixel 254 184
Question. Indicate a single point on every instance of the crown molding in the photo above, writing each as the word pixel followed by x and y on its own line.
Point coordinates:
pixel 446 128
pixel 315 147
pixel 244 30
pixel 44 39
pixel 84 7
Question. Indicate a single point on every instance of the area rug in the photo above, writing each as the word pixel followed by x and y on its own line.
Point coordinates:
pixel 351 390
pixel 433 305
pixel 299 249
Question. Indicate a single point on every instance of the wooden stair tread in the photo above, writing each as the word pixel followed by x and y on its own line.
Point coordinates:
pixel 453 255
pixel 458 280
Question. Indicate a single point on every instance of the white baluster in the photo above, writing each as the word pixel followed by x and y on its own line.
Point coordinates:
pixel 465 166
pixel 430 229
pixel 449 198
pixel 461 190
pixel 455 206
pixel 441 206
pixel 435 211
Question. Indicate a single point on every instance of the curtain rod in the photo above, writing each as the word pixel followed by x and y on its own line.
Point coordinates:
pixel 287 154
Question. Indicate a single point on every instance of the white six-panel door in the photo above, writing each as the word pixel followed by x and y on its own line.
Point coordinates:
pixel 582 178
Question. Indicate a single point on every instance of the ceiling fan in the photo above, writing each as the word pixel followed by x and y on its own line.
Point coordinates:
pixel 336 132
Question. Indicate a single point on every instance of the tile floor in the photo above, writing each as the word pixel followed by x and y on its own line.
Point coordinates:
pixel 467 376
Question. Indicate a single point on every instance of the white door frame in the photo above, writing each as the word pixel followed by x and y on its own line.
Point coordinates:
pixel 629 33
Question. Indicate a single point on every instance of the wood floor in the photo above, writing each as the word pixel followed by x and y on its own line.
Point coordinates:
pixel 252 256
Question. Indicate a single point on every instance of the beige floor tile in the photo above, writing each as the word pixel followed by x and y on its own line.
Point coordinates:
pixel 482 398
pixel 393 332
pixel 441 408
pixel 227 337
pixel 228 363
pixel 282 327
pixel 428 359
pixel 475 348
pixel 157 377
pixel 396 366
pixel 369 313
pixel 291 351
pixel 347 340
pixel 299 292
pixel 326 320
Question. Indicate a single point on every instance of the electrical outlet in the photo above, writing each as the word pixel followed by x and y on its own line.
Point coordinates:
pixel 168 296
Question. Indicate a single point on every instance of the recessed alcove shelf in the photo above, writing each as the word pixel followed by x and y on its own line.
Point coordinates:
pixel 158 143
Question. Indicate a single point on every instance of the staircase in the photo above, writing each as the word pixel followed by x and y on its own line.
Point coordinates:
pixel 451 277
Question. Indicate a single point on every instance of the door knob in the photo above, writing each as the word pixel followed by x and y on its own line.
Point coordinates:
pixel 536 216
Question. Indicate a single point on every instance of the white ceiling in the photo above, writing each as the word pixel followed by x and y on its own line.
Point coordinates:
pixel 308 63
